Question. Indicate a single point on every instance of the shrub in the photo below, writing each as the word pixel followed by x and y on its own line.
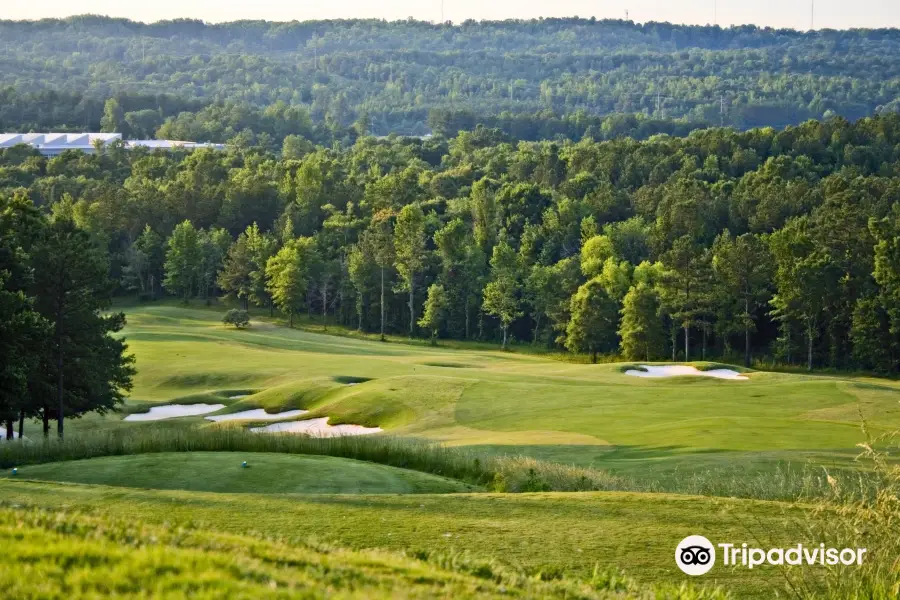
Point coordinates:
pixel 238 318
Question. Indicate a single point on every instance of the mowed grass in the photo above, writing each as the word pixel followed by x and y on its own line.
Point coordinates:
pixel 545 534
pixel 266 473
pixel 503 402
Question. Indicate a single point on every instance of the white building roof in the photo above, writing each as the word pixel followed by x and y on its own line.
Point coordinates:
pixel 52 144
pixel 57 141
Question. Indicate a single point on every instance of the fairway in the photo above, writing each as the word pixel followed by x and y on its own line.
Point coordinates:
pixel 266 473
pixel 502 402
pixel 726 447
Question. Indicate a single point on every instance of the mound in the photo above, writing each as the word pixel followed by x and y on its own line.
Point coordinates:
pixel 122 560
pixel 266 473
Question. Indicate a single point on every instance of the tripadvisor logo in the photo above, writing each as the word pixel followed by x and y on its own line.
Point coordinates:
pixel 696 555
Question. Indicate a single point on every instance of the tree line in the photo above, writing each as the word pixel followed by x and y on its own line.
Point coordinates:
pixel 179 78
pixel 59 355
pixel 780 245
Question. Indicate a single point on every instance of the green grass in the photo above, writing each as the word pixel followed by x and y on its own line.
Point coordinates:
pixel 547 534
pixel 54 555
pixel 266 473
pixel 505 403
pixel 498 421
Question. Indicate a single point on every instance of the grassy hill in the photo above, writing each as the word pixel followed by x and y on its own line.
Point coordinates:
pixel 501 402
pixel 55 555
pixel 488 422
pixel 266 473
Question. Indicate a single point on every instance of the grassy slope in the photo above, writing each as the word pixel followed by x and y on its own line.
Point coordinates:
pixel 592 415
pixel 552 533
pixel 267 473
pixel 52 556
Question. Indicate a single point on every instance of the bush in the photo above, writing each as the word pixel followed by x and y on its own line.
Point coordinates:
pixel 238 318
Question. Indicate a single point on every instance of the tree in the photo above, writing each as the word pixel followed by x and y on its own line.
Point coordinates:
pixel 88 368
pixel 806 280
pixel 641 326
pixel 213 246
pixel 235 277
pixel 261 246
pixel 151 260
pixel 381 241
pixel 743 270
pixel 501 294
pixel 288 274
pixel 435 310
pixel 113 120
pixel 183 260
pixel 462 272
pixel 237 317
pixel 23 331
pixel 363 272
pixel 594 321
pixel 410 253
pixel 685 285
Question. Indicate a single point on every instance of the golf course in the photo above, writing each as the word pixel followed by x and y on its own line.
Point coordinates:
pixel 554 473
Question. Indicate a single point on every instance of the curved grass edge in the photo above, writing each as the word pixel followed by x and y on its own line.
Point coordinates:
pixel 501 473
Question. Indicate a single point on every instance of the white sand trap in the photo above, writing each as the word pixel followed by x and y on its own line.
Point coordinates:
pixel 3 435
pixel 238 397
pixel 170 411
pixel 679 370
pixel 258 414
pixel 316 428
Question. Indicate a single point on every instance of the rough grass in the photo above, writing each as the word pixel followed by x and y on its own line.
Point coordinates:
pixel 50 556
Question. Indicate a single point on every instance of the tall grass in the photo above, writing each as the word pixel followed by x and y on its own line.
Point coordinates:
pixel 855 512
pixel 508 474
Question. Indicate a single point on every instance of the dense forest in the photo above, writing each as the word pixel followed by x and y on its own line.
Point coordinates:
pixel 331 81
pixel 781 245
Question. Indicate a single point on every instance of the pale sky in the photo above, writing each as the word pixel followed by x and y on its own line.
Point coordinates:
pixel 837 14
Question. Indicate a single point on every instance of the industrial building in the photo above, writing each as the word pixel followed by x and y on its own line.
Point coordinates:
pixel 53 144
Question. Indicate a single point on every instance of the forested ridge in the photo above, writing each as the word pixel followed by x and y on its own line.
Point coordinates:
pixel 538 79
pixel 780 245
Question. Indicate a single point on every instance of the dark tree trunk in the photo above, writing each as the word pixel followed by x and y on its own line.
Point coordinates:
pixel 703 347
pixel 504 336
pixel 594 357
pixel 291 319
pixel 60 390
pixel 747 336
pixel 467 318
pixel 537 327
pixel 382 304
pixel 325 307
pixel 10 430
pixel 687 341
pixel 21 424
pixel 46 421
pixel 809 348
pixel 412 306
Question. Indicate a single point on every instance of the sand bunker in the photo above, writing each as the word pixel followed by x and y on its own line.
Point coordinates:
pixel 679 370
pixel 238 397
pixel 171 411
pixel 3 435
pixel 316 428
pixel 258 414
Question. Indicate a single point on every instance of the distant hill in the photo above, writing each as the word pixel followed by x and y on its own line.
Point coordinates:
pixel 389 76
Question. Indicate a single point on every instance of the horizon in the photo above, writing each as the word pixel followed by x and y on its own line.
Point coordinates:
pixel 797 15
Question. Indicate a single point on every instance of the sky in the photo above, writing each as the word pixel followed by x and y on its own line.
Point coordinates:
pixel 796 14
